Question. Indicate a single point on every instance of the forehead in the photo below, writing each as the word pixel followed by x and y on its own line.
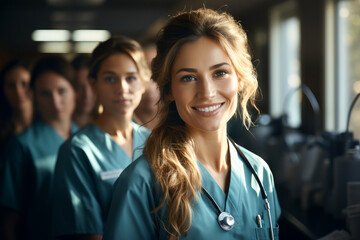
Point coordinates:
pixel 202 53
pixel 17 72
pixel 117 63
pixel 48 80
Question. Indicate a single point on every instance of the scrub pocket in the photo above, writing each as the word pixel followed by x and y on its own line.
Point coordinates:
pixel 264 233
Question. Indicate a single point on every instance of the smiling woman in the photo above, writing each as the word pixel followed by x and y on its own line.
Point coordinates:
pixel 206 94
pixel 192 181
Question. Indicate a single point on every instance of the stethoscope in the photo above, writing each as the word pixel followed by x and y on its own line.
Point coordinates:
pixel 225 219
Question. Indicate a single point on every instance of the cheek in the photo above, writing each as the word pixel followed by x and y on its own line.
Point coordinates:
pixel 231 88
pixel 137 88
pixel 42 103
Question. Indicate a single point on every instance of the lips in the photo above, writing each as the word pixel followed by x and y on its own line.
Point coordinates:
pixel 208 109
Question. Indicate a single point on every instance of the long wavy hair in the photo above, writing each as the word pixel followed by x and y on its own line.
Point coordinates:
pixel 170 149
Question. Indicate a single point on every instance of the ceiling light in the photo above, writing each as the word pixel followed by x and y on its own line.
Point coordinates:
pixel 72 3
pixel 85 47
pixel 90 35
pixel 55 47
pixel 51 35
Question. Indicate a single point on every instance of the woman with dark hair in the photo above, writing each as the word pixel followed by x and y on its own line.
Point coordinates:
pixel 85 97
pixel 192 181
pixel 16 102
pixel 27 174
pixel 91 160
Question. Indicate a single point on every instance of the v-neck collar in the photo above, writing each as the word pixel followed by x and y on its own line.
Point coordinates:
pixel 236 173
pixel 73 129
pixel 110 143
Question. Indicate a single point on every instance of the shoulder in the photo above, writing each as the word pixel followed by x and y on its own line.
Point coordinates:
pixel 77 148
pixel 256 161
pixel 137 175
pixel 83 137
pixel 141 130
pixel 30 134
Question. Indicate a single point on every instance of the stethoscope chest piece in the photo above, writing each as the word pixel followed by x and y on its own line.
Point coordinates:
pixel 226 221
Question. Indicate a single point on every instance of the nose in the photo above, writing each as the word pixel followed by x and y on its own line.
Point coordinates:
pixel 206 88
pixel 122 86
pixel 19 89
pixel 56 101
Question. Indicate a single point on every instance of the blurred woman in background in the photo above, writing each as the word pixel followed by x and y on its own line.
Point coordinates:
pixel 16 101
pixel 85 98
pixel 146 114
pixel 27 174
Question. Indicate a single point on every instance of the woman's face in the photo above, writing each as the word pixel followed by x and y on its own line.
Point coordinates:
pixel 85 98
pixel 204 85
pixel 118 86
pixel 55 97
pixel 17 90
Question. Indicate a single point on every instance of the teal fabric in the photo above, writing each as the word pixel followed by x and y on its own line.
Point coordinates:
pixel 130 214
pixel 27 175
pixel 88 165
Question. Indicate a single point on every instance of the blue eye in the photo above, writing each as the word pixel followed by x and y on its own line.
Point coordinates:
pixel 220 73
pixel 131 78
pixel 187 78
pixel 110 79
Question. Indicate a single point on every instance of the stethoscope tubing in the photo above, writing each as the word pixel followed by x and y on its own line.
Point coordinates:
pixel 263 192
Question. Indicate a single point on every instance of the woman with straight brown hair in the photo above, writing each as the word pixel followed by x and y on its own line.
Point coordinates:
pixel 90 162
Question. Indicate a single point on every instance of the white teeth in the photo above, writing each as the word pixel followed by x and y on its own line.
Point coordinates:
pixel 208 109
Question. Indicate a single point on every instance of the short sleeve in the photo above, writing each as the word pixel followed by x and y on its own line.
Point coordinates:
pixel 133 200
pixel 76 208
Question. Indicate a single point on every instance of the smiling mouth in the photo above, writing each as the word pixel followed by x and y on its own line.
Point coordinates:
pixel 209 109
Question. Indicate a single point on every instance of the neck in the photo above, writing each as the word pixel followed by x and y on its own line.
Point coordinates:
pixel 62 127
pixel 148 120
pixel 23 119
pixel 81 119
pixel 120 129
pixel 212 150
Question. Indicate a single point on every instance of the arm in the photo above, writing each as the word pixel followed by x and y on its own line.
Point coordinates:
pixel 134 198
pixel 9 223
pixel 12 190
pixel 76 208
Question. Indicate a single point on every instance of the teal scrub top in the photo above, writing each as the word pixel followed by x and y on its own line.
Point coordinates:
pixel 88 165
pixel 27 175
pixel 130 214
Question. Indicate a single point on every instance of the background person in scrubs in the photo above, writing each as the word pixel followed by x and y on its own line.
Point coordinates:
pixel 16 100
pixel 204 70
pixel 90 162
pixel 26 178
pixel 146 114
pixel 85 97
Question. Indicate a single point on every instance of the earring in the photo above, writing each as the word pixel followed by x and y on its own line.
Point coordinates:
pixel 100 109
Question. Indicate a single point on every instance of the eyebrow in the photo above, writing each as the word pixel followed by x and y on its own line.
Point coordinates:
pixel 194 70
pixel 113 73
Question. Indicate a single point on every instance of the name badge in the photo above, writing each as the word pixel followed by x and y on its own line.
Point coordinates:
pixel 110 174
